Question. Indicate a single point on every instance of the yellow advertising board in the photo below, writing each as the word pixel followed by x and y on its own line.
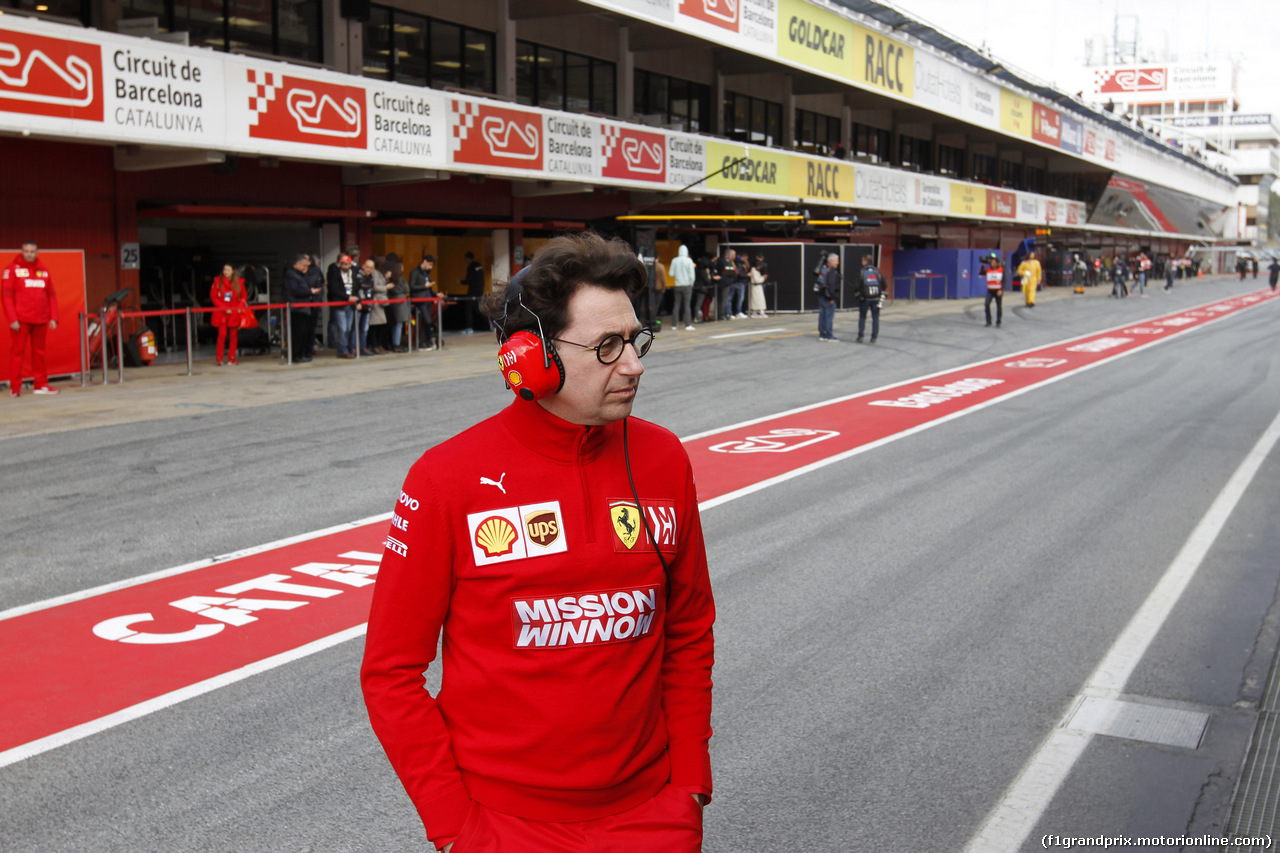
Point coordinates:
pixel 1015 113
pixel 968 199
pixel 824 180
pixel 815 38
pixel 882 63
pixel 760 171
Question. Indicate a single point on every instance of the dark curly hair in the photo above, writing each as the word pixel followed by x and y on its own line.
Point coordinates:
pixel 560 268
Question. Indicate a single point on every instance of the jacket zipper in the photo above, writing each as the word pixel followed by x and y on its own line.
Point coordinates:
pixel 582 481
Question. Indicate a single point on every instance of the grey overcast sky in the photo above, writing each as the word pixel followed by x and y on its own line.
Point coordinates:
pixel 1048 38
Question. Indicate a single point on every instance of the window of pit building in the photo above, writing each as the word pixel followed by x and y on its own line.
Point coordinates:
pixel 870 143
pixel 984 169
pixel 914 153
pixel 1033 179
pixel 76 10
pixel 1010 174
pixel 950 160
pixel 562 80
pixel 748 119
pixel 671 102
pixel 286 28
pixel 421 51
pixel 817 133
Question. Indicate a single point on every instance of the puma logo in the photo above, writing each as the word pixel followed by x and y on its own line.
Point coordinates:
pixel 485 481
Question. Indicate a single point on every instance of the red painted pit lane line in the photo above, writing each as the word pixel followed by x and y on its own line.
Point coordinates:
pixel 80 664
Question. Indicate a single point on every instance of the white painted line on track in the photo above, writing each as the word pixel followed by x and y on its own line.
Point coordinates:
pixel 62 738
pixel 186 567
pixel 976 364
pixel 1020 809
pixel 745 334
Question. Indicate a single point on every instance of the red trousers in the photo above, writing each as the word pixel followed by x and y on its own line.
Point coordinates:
pixel 671 822
pixel 222 340
pixel 37 333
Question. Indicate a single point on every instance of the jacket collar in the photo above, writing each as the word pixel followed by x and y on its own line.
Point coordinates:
pixel 553 438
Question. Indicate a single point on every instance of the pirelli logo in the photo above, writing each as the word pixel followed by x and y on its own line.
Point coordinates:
pixel 584 619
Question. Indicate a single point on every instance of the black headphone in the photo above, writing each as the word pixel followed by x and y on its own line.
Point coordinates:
pixel 528 362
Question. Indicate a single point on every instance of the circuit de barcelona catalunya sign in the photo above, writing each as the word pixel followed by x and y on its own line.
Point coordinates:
pixel 87 85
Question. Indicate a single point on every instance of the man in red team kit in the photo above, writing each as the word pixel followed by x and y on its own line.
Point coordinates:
pixel 558 547
pixel 31 308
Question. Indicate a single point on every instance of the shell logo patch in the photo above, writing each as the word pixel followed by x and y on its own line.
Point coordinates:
pixel 514 378
pixel 517 533
pixel 495 536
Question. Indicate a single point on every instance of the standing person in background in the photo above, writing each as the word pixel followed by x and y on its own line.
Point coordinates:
pixel 1144 269
pixel 397 313
pixel 993 270
pixel 738 293
pixel 828 292
pixel 317 284
pixel 228 298
pixel 31 307
pixel 759 275
pixel 1029 271
pixel 870 291
pixel 474 282
pixel 1118 287
pixel 1169 267
pixel 1273 273
pixel 341 282
pixel 683 273
pixel 299 293
pixel 661 283
pixel 421 287
pixel 378 335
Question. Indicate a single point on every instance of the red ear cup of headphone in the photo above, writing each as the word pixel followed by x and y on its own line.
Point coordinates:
pixel 523 360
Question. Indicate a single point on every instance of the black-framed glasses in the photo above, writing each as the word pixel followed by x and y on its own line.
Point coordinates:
pixel 610 349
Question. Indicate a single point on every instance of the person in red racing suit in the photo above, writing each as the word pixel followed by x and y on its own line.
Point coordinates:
pixel 31 308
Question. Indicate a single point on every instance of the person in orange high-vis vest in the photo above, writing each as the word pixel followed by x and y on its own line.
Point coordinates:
pixel 993 271
pixel 228 298
pixel 30 306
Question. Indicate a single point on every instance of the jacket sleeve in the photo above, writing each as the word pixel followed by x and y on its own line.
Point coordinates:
pixel 336 291
pixel 689 653
pixel 410 601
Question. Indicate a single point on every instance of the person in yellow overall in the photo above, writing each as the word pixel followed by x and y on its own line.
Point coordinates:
pixel 1029 271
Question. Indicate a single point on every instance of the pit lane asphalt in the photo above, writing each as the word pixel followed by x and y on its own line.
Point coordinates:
pixel 896 633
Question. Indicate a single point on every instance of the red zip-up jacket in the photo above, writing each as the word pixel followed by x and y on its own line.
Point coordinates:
pixel 576 675
pixel 27 292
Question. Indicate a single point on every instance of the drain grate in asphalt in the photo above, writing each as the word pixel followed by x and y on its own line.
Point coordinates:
pixel 1137 721
pixel 1255 810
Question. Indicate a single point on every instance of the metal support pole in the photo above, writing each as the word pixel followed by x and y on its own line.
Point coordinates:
pixel 119 348
pixel 355 332
pixel 102 337
pixel 188 319
pixel 288 333
pixel 84 351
